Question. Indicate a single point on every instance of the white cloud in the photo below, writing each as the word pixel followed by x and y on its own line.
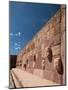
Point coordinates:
pixel 19 34
pixel 18 48
pixel 16 34
pixel 17 44
pixel 11 34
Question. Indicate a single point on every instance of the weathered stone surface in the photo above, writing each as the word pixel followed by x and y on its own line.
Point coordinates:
pixel 63 26
pixel 56 39
pixel 57 29
pixel 56 50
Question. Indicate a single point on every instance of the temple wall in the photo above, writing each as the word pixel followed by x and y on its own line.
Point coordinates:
pixel 51 35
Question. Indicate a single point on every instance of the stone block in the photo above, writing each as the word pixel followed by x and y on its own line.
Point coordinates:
pixel 63 22
pixel 57 29
pixel 56 39
pixel 56 50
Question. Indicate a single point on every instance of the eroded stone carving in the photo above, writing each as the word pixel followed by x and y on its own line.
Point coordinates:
pixel 43 64
pixel 49 54
pixel 58 65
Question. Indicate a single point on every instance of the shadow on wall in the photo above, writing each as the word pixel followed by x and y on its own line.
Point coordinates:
pixel 13 59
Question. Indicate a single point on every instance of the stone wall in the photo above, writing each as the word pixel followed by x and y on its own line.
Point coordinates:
pixel 44 55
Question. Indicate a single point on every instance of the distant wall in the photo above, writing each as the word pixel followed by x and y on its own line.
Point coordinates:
pixel 51 35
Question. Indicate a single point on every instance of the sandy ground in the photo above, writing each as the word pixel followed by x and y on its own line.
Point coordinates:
pixel 22 78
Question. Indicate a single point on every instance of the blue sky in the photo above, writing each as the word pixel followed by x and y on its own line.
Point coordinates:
pixel 25 20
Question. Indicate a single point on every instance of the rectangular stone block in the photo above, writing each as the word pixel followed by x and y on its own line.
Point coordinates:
pixel 51 32
pixel 56 39
pixel 43 52
pixel 63 44
pixel 47 35
pixel 56 49
pixel 51 23
pixel 63 10
pixel 63 22
pixel 54 22
pixel 57 29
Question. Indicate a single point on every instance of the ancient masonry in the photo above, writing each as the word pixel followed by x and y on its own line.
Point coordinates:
pixel 44 55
